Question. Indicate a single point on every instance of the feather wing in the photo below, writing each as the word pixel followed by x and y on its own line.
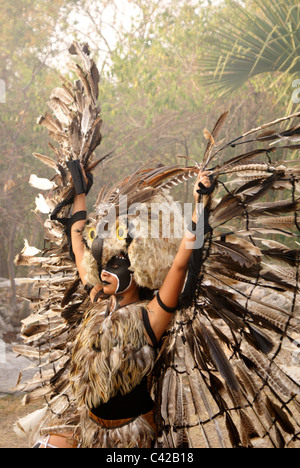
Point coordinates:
pixel 236 347
pixel 59 300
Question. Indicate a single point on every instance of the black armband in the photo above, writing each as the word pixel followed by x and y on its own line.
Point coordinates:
pixel 169 310
pixel 68 223
pixel 194 228
pixel 148 328
pixel 195 262
pixel 79 216
pixel 80 186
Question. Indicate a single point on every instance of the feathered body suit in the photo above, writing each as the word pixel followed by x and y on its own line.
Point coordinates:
pixel 111 356
pixel 227 373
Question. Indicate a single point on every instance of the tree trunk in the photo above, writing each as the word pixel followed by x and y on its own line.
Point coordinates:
pixel 11 274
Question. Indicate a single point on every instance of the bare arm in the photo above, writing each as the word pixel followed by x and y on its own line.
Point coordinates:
pixel 174 282
pixel 77 242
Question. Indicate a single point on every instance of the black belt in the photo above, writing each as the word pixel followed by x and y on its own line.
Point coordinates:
pixel 132 405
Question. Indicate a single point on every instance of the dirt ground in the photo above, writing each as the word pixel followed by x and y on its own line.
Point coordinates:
pixel 10 410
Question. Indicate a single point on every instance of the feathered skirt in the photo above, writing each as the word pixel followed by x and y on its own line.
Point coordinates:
pixel 111 356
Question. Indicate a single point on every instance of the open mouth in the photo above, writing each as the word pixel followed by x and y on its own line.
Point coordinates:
pixel 105 283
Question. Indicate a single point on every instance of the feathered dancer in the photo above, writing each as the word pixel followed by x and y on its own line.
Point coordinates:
pixel 158 340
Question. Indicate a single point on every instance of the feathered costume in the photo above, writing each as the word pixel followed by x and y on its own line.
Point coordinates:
pixel 222 375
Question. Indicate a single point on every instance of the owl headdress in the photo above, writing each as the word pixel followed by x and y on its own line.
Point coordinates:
pixel 140 219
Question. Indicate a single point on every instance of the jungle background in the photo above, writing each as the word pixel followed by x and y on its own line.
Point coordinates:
pixel 169 68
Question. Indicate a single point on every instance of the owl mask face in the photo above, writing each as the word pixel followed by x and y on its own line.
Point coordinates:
pixel 118 268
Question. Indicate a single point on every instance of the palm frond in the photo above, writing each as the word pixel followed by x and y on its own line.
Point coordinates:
pixel 263 39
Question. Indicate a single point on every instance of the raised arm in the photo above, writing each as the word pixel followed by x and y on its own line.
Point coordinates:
pixel 77 225
pixel 171 289
pixel 76 236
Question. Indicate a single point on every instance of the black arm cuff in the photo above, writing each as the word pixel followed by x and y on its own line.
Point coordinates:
pixel 79 216
pixel 192 227
pixel 68 223
pixel 79 181
pixel 80 186
pixel 207 190
pixel 77 176
pixel 169 310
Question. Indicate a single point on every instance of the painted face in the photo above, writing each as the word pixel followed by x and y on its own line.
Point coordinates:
pixel 118 267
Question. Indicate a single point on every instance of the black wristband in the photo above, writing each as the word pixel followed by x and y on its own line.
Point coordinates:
pixel 207 190
pixel 80 186
pixel 169 310
pixel 90 182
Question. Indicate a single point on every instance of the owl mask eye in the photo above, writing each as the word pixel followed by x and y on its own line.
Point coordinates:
pixel 92 234
pixel 121 232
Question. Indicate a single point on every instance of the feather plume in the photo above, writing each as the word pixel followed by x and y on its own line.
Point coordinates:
pixel 46 160
pixel 61 111
pixel 232 432
pixel 25 425
pixel 212 138
pixel 63 94
pixel 86 121
pixel 280 416
pixel 41 183
pixel 238 254
pixel 50 123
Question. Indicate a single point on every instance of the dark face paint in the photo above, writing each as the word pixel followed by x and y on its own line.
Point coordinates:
pixel 119 267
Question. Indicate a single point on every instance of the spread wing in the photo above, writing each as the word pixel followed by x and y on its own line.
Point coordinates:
pixel 48 334
pixel 228 372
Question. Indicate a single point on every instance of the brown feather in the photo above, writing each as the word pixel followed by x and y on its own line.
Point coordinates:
pixel 280 416
pixel 212 138
pixel 237 253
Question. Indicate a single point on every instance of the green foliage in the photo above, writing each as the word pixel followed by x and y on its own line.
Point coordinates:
pixel 26 28
pixel 257 37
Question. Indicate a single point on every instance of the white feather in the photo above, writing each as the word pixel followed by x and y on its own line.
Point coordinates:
pixel 25 425
pixel 40 183
pixel 41 204
pixel 86 122
pixel 29 251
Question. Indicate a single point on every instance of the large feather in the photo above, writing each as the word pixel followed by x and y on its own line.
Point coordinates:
pixel 213 137
pixel 219 357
